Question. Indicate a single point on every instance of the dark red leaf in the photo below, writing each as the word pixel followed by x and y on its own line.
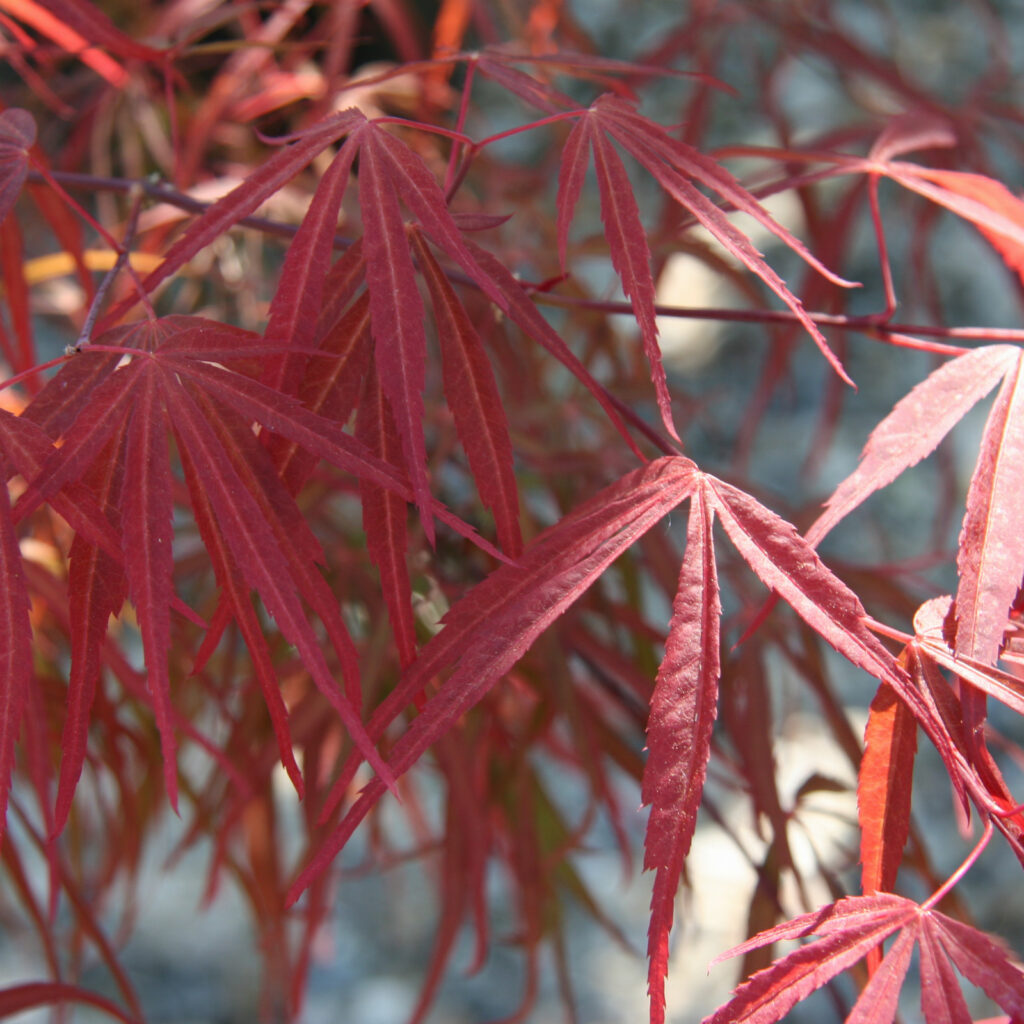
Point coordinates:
pixel 673 164
pixel 682 715
pixel 31 994
pixel 627 242
pixel 475 402
pixel 15 646
pixel 17 134
pixel 878 1002
pixel 292 317
pixel 396 312
pixel 847 929
pixel 487 632
pixel 384 518
pixel 96 590
pixel 149 564
pixel 983 961
pixel 257 552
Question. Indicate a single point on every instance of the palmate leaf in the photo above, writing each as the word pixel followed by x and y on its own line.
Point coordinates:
pixel 682 715
pixel 496 622
pixel 850 929
pixel 846 931
pixel 676 166
pixel 265 531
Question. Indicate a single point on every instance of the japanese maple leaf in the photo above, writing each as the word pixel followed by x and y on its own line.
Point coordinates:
pixel 495 623
pixel 174 380
pixel 679 169
pixel 847 931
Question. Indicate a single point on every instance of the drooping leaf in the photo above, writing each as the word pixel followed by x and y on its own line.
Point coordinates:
pixel 96 590
pixel 396 312
pixel 675 166
pixel 292 317
pixel 682 715
pixel 847 930
pixel 475 403
pixel 983 961
pixel 17 134
pixel 884 787
pixel 942 1001
pixel 149 564
pixel 627 242
pixel 496 622
pixel 878 1002
pixel 32 994
pixel 15 645
pixel 384 517
pixel 990 560
pixel 917 423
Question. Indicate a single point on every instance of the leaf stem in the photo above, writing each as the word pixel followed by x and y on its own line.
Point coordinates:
pixel 962 870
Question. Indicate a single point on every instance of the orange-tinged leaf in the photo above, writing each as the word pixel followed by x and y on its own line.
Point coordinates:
pixel 884 787
pixel 682 715
pixel 54 27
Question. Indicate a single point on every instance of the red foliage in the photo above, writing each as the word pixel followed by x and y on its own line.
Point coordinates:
pixel 183 484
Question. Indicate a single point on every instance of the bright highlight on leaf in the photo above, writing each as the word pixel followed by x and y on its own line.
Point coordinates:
pixel 353 475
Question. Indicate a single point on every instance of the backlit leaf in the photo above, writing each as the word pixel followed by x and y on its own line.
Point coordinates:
pixel 683 711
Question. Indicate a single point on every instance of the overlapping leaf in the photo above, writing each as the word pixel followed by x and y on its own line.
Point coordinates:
pixel 676 167
pixel 683 711
pixel 17 133
pixel 495 623
pixel 884 787
pixel 850 929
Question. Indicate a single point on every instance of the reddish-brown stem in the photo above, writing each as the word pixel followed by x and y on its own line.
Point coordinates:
pixel 966 866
